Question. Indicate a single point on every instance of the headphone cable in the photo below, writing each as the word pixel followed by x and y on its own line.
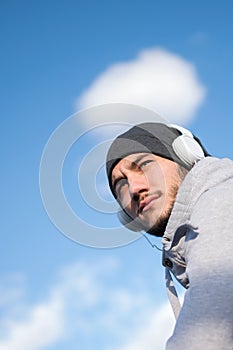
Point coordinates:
pixel 151 244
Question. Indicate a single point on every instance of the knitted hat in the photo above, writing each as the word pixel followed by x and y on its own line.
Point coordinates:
pixel 156 138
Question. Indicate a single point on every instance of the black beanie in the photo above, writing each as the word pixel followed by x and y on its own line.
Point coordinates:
pixel 156 138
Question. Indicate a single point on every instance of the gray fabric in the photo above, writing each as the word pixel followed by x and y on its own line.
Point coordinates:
pixel 198 244
pixel 172 294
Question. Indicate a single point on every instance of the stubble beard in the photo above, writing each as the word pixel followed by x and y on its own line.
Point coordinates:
pixel 160 225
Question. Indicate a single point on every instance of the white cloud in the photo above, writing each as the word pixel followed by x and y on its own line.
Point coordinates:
pixel 45 323
pixel 31 328
pixel 154 333
pixel 156 79
pixel 87 303
pixel 41 326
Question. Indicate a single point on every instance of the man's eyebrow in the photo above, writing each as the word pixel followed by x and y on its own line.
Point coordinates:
pixel 132 166
pixel 140 157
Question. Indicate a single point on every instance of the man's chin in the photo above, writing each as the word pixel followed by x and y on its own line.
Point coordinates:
pixel 159 227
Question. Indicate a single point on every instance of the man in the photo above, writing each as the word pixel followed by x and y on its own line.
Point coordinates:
pixel 169 186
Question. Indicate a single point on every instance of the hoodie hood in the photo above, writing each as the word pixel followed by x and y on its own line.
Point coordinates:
pixel 209 172
pixel 209 177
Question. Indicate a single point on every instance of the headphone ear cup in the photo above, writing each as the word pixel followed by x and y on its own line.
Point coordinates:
pixel 186 147
pixel 128 222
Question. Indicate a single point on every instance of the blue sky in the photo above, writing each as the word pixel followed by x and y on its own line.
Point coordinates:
pixel 58 57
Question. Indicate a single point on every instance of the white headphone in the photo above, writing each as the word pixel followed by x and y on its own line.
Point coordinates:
pixel 188 150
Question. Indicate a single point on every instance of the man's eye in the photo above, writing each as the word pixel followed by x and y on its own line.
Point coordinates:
pixel 145 163
pixel 120 184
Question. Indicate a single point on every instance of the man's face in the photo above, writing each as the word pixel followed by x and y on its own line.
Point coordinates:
pixel 146 186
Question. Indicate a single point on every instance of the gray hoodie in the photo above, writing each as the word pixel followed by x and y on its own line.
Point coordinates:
pixel 198 250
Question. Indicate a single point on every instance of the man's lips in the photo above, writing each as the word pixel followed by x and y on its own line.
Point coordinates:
pixel 147 202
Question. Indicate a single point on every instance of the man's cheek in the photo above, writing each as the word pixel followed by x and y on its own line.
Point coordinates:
pixel 126 203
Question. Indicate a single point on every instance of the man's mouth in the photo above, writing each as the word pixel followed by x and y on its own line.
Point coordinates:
pixel 146 203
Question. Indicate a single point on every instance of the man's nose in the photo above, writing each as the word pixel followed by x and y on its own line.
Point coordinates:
pixel 138 184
